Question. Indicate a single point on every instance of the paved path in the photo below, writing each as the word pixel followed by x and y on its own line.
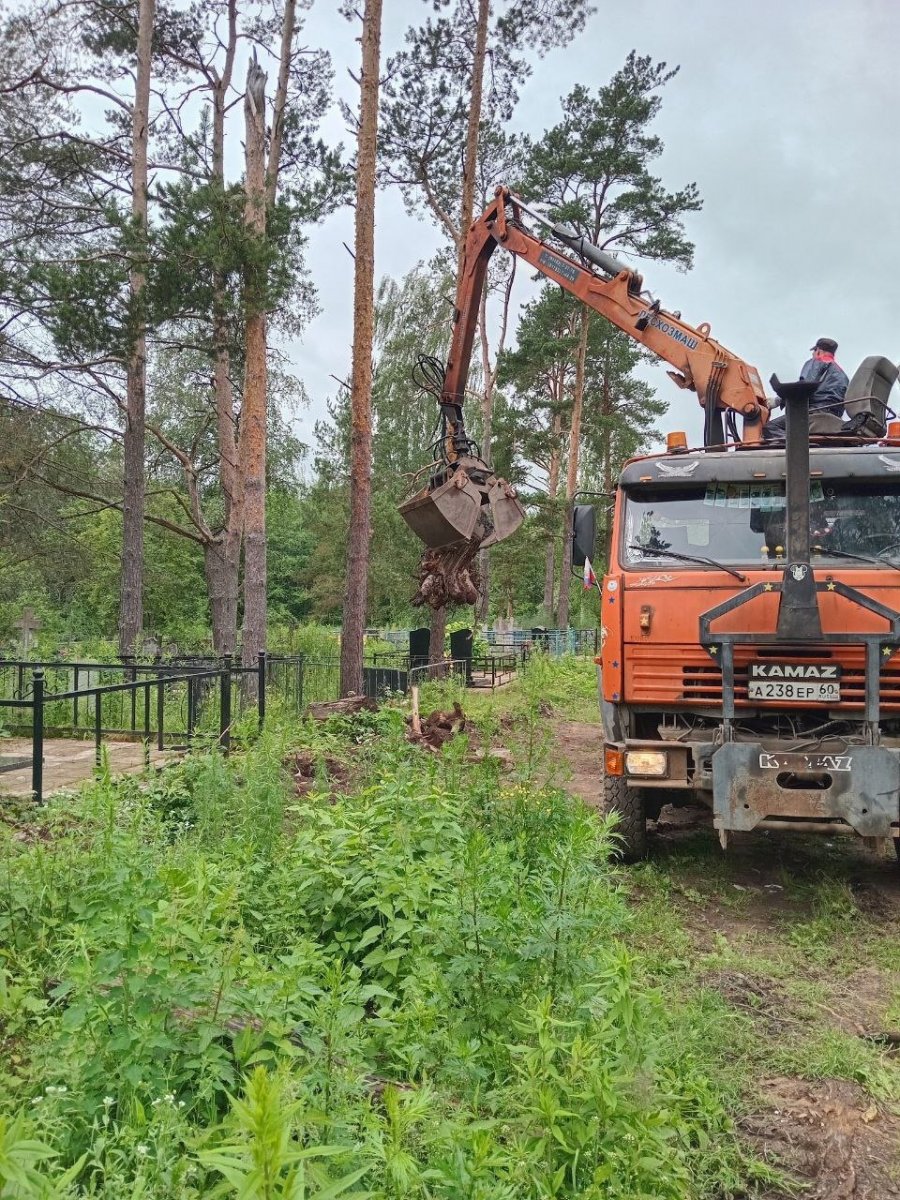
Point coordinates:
pixel 68 762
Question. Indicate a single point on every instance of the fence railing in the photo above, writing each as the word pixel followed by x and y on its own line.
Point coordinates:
pixel 172 704
pixel 551 641
pixel 204 696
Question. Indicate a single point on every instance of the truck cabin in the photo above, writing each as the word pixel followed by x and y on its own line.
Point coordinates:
pixel 693 530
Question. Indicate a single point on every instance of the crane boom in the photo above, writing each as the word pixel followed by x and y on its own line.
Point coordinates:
pixel 723 381
pixel 465 506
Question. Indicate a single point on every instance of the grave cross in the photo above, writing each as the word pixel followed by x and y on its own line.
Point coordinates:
pixel 27 624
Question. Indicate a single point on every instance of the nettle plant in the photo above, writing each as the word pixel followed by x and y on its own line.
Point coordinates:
pixel 218 987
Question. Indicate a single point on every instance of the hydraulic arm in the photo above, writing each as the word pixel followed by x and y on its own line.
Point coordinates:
pixel 723 382
pixel 465 505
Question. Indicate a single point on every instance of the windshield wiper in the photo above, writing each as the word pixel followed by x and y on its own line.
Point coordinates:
pixel 866 558
pixel 694 558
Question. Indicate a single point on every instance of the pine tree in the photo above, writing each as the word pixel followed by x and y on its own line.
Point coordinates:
pixel 594 168
pixel 433 116
pixel 354 621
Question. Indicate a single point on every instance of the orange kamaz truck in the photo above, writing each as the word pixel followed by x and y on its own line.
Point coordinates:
pixel 750 637
pixel 750 613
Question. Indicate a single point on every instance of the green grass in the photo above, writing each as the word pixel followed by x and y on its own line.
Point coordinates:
pixel 423 988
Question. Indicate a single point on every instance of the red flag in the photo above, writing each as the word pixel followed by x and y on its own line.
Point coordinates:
pixel 590 579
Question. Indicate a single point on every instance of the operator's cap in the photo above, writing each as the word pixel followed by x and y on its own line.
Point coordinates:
pixel 829 345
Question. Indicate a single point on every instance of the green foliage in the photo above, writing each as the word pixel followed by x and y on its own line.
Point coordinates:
pixel 420 989
pixel 265 1161
pixel 21 1159
pixel 594 166
pixel 428 90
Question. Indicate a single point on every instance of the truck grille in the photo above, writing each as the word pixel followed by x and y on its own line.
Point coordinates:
pixel 686 674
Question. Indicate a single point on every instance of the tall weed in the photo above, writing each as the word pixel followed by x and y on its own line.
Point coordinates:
pixel 214 987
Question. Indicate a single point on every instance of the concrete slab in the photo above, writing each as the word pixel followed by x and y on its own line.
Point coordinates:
pixel 67 763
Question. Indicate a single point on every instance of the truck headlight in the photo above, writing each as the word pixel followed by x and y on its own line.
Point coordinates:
pixel 646 762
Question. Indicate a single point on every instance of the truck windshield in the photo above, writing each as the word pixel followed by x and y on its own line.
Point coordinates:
pixel 744 523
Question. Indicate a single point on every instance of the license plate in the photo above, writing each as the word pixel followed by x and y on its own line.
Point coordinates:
pixel 816 683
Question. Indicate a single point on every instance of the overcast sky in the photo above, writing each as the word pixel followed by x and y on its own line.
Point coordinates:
pixel 784 113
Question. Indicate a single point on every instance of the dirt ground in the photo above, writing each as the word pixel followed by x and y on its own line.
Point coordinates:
pixel 807 928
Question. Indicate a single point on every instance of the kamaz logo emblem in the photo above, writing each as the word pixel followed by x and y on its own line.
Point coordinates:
pixel 793 671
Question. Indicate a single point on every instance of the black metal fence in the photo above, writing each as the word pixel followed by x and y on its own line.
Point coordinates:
pixel 481 670
pixel 160 705
pixel 578 641
pixel 177 703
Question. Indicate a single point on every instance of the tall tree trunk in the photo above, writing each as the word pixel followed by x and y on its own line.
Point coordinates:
pixel 222 596
pixel 471 153
pixel 288 25
pixel 607 410
pixel 354 619
pixel 436 635
pixel 222 557
pixel 572 470
pixel 131 612
pixel 253 413
pixel 487 417
pixel 550 553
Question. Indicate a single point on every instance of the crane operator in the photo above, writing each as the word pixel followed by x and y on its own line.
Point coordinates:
pixel 831 379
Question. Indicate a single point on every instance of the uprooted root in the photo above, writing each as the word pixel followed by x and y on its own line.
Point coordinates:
pixel 448 575
pixel 439 727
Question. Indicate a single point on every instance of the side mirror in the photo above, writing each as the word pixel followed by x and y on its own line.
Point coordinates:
pixel 584 533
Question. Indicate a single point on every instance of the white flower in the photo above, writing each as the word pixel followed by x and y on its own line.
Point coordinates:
pixel 37 1099
pixel 181 1104
pixel 108 1101
pixel 169 1098
pixel 143 1150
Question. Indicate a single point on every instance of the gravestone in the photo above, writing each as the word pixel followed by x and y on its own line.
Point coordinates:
pixel 28 624
pixel 150 647
pixel 419 640
pixel 503 626
pixel 461 650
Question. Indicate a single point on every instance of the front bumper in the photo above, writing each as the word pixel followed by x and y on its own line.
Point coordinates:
pixel 859 787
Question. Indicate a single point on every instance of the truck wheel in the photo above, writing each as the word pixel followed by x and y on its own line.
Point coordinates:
pixel 630 805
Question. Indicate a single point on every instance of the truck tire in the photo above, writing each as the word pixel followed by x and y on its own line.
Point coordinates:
pixel 631 807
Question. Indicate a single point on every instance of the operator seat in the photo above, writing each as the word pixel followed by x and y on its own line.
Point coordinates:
pixel 866 402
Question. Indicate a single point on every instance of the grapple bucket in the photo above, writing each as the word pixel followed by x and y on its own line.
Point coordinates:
pixel 473 504
pixel 445 515
pixel 507 514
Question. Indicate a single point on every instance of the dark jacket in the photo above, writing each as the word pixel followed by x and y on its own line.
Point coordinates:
pixel 832 380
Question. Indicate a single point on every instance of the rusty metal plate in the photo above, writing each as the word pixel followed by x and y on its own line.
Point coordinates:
pixel 864 787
